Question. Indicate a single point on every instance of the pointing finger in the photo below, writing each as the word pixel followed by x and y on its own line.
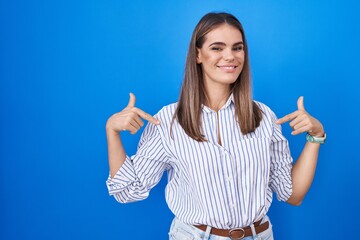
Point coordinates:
pixel 146 116
pixel 132 100
pixel 300 103
pixel 287 118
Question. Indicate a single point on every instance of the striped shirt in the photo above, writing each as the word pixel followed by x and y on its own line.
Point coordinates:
pixel 223 186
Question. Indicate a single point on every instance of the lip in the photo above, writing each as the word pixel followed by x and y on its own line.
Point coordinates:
pixel 228 68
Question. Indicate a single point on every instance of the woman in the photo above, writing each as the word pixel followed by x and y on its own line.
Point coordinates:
pixel 224 153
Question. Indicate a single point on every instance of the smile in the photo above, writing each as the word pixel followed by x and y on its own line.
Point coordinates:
pixel 227 67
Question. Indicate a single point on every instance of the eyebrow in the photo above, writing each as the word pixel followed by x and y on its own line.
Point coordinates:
pixel 223 44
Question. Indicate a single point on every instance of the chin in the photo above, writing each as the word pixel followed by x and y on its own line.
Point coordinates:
pixel 229 81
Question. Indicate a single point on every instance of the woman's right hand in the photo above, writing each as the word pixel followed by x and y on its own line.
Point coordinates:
pixel 129 119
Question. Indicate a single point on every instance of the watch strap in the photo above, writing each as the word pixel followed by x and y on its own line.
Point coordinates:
pixel 314 139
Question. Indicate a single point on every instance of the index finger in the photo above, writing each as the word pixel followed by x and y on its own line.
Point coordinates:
pixel 287 118
pixel 145 116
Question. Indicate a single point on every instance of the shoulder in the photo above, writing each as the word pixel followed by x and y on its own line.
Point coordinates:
pixel 166 113
pixel 266 110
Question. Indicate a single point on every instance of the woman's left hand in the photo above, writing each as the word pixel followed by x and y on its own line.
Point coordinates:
pixel 301 121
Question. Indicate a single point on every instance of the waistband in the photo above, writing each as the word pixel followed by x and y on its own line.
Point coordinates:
pixel 237 233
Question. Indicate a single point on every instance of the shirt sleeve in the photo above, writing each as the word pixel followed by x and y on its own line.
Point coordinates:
pixel 142 171
pixel 281 164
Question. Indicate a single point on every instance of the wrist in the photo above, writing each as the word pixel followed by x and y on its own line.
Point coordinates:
pixel 316 139
pixel 111 132
pixel 319 135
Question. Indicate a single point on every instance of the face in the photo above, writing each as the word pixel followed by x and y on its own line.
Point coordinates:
pixel 221 56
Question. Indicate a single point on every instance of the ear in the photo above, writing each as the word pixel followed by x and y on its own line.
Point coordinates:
pixel 198 56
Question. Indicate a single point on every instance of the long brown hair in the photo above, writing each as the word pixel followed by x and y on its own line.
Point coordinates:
pixel 193 94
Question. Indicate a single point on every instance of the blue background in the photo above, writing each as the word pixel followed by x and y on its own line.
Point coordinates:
pixel 66 66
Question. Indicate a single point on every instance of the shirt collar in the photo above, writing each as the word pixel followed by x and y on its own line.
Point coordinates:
pixel 226 105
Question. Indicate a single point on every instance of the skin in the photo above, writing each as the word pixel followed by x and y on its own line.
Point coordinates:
pixel 304 169
pixel 222 58
pixel 129 119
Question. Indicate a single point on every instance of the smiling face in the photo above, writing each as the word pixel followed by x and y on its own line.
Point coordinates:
pixel 221 56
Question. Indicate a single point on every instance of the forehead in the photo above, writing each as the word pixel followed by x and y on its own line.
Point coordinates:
pixel 224 33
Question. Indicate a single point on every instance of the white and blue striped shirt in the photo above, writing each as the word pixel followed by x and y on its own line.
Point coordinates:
pixel 223 186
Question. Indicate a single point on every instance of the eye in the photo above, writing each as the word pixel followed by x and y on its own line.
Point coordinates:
pixel 216 48
pixel 238 48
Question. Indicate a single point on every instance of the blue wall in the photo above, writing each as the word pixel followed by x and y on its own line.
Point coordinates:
pixel 66 66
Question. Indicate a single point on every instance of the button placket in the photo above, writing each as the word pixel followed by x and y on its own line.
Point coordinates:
pixel 229 182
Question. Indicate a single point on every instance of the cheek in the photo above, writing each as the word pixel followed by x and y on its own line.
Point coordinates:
pixel 207 60
pixel 241 60
pixel 241 57
pixel 210 59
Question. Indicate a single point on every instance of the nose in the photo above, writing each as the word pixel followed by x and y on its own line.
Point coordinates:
pixel 228 55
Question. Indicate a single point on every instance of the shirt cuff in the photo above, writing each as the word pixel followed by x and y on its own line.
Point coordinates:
pixel 283 188
pixel 122 179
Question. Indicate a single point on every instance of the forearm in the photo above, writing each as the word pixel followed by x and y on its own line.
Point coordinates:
pixel 303 172
pixel 129 119
pixel 116 152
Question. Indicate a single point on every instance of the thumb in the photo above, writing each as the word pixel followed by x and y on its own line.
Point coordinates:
pixel 300 103
pixel 132 100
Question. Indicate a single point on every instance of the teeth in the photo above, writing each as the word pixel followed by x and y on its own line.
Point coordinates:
pixel 231 67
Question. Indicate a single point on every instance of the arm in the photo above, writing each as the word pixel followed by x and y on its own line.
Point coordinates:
pixel 303 172
pixel 132 178
pixel 304 169
pixel 129 119
pixel 116 152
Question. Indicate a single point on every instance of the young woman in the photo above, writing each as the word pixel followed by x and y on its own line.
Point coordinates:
pixel 223 151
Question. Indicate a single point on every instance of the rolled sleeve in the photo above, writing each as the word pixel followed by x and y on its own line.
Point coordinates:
pixel 123 178
pixel 281 164
pixel 142 171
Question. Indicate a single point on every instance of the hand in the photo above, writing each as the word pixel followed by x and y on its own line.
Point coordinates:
pixel 301 121
pixel 129 119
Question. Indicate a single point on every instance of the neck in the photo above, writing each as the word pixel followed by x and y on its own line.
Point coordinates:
pixel 217 96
